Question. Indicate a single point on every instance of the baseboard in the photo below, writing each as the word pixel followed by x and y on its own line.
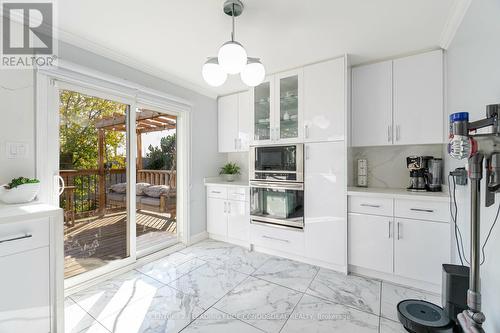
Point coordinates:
pixel 198 237
pixel 394 279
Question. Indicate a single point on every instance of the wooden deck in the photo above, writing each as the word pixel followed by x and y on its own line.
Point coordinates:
pixel 94 242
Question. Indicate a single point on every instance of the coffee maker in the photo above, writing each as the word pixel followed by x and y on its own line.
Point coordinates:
pixel 418 172
pixel 425 173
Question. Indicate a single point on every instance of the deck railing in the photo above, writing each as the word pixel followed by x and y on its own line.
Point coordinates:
pixel 84 196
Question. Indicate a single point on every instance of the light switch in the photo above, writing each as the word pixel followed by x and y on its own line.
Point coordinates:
pixel 17 150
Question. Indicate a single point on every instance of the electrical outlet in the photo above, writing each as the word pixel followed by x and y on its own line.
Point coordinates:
pixel 16 150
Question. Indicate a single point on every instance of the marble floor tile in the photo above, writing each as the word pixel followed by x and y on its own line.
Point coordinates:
pixel 239 259
pixel 167 271
pixel 209 248
pixel 260 303
pixel 76 320
pixel 169 310
pixel 114 295
pixel 288 273
pixel 389 326
pixel 314 314
pixel 208 283
pixel 392 294
pixel 358 292
pixel 219 322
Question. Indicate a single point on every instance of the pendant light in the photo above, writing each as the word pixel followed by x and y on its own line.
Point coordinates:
pixel 232 57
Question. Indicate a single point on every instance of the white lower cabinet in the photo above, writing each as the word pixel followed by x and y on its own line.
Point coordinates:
pixel 370 242
pixel 401 247
pixel 228 213
pixel 420 248
pixel 238 220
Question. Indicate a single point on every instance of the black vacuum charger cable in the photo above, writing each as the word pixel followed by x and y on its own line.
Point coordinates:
pixel 460 247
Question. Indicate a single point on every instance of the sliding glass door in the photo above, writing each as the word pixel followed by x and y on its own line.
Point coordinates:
pixel 93 160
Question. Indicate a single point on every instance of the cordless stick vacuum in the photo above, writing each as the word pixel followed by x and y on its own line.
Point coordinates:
pixel 464 144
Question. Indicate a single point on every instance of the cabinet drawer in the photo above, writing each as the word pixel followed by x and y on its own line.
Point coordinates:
pixel 238 193
pixel 279 239
pixel 18 237
pixel 219 192
pixel 422 210
pixel 369 205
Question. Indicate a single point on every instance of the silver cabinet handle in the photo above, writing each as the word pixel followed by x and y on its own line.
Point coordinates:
pixel 306 131
pixel 422 210
pixel 276 239
pixel 398 134
pixel 399 234
pixel 369 205
pixel 217 192
pixel 390 227
pixel 15 238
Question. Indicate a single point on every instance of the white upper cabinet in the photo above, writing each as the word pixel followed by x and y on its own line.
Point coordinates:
pixel 398 102
pixel 234 122
pixel 372 104
pixel 325 101
pixel 262 101
pixel 418 99
pixel 288 112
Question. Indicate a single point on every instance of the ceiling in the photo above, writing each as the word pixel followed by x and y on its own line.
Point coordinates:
pixel 172 38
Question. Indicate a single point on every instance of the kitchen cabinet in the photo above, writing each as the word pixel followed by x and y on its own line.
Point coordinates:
pixel 31 241
pixel 325 101
pixel 234 122
pixel 277 109
pixel 372 104
pixel 392 101
pixel 418 99
pixel 370 242
pixel 325 202
pixel 420 249
pixel 228 213
pixel 408 238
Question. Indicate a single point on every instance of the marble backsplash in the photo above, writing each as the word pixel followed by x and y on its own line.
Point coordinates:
pixel 387 165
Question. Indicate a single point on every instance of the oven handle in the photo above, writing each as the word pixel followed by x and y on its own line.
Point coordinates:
pixel 278 186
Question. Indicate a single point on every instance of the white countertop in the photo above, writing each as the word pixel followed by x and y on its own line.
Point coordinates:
pixel 221 182
pixel 400 193
pixel 32 209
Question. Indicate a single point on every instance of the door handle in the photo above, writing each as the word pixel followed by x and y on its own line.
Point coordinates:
pixel 390 227
pixel 399 233
pixel 15 238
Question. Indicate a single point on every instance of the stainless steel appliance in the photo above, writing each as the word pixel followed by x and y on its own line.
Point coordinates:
pixel 434 175
pixel 418 172
pixel 277 203
pixel 277 185
pixel 282 163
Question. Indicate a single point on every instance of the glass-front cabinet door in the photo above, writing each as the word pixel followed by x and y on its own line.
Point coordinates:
pixel 262 118
pixel 288 115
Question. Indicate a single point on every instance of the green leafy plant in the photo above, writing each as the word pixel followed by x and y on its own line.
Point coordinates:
pixel 230 169
pixel 21 181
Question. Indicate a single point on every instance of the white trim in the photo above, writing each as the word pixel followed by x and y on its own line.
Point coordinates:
pixel 198 237
pixel 68 75
pixel 121 58
pixel 453 22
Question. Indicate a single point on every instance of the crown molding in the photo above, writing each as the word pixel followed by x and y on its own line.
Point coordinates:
pixel 131 62
pixel 453 22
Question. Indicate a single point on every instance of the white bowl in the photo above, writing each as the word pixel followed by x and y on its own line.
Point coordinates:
pixel 20 194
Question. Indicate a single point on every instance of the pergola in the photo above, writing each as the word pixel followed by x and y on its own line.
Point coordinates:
pixel 147 121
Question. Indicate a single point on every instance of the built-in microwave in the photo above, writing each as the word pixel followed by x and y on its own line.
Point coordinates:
pixel 282 163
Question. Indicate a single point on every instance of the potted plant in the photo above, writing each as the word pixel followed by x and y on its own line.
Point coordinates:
pixel 230 171
pixel 20 190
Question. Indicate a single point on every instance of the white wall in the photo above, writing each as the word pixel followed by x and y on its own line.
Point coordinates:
pixel 17 119
pixel 473 78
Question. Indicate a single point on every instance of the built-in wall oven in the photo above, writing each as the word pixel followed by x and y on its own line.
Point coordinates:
pixel 276 185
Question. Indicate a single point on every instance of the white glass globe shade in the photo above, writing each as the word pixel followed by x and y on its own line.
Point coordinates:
pixel 213 74
pixel 232 57
pixel 253 74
